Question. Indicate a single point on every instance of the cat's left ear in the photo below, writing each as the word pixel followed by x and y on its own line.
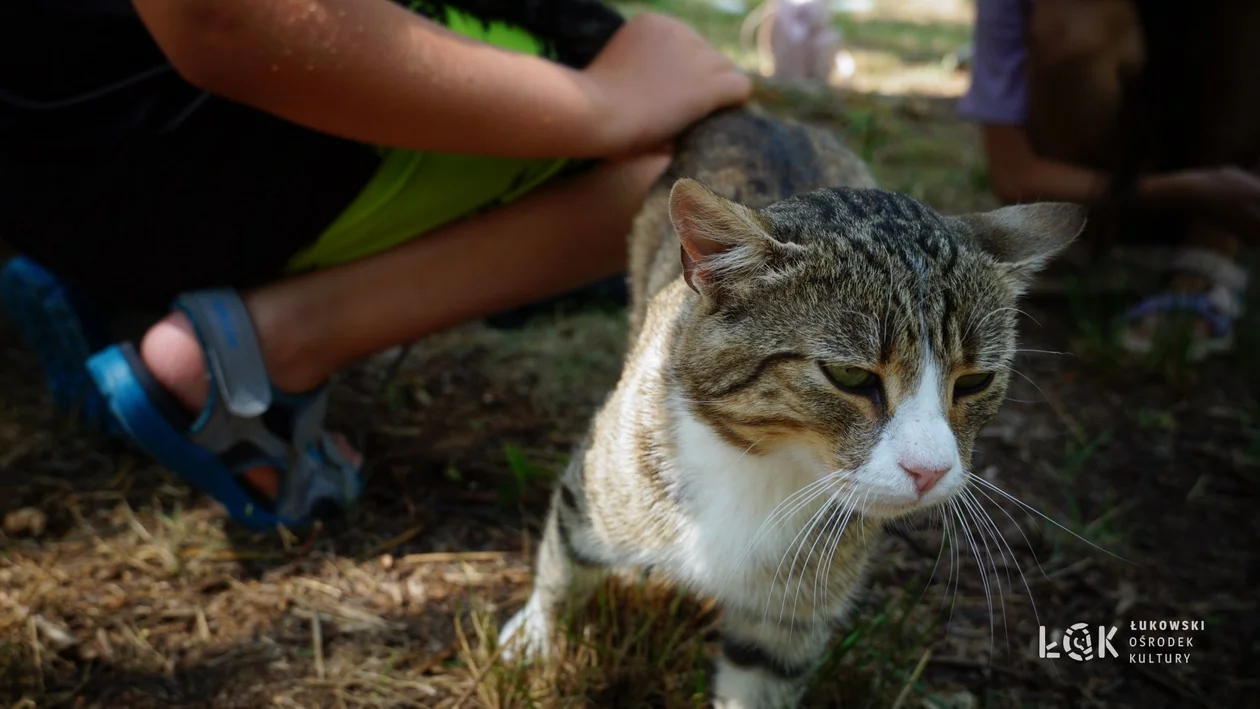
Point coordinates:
pixel 721 240
pixel 1025 238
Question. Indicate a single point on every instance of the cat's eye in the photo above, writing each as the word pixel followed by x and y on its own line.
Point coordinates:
pixel 847 377
pixel 972 383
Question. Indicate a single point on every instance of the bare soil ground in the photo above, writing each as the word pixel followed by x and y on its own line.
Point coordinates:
pixel 120 587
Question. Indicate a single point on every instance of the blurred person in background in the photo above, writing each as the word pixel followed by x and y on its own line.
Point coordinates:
pixel 1147 114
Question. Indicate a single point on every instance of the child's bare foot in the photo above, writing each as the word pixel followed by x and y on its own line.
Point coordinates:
pixel 174 357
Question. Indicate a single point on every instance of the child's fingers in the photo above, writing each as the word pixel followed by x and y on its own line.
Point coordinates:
pixel 729 89
pixel 738 87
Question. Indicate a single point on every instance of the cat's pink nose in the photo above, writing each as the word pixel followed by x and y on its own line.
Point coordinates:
pixel 925 476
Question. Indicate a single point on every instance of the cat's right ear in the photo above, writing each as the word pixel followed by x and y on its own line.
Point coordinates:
pixel 720 239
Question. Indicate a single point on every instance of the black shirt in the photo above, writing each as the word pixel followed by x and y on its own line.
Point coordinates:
pixel 123 177
pixel 77 74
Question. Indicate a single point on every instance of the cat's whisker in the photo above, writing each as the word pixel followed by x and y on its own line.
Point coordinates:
pixel 982 531
pixel 1022 351
pixel 831 552
pixel 750 447
pixel 781 512
pixel 955 572
pixel 1039 513
pixel 782 509
pixel 822 572
pixel 811 493
pixel 831 479
pixel 1027 541
pixel 973 323
pixel 984 575
pixel 990 530
pixel 800 535
pixel 832 517
pixel 946 553
pixel 835 508
pixel 1012 370
pixel 940 552
pixel 1002 538
pixel 799 543
pixel 862 529
pixel 995 311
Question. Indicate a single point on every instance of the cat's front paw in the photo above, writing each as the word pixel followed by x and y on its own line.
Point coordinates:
pixel 527 636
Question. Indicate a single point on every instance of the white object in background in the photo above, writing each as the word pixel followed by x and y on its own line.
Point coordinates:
pixel 730 7
pixel 802 40
pixel 852 5
pixel 796 40
pixel 846 66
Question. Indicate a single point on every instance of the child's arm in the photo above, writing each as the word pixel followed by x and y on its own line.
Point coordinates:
pixel 1226 194
pixel 370 70
pixel 997 100
pixel 1019 174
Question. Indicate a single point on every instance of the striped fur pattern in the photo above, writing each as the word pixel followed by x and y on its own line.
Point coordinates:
pixel 815 359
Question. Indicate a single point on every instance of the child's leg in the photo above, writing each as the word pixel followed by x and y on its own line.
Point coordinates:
pixel 311 325
pixel 379 285
pixel 314 324
pixel 1078 52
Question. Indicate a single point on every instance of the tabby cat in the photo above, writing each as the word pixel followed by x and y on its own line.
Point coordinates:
pixel 817 358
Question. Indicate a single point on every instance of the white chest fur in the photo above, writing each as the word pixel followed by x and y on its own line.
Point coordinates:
pixel 749 515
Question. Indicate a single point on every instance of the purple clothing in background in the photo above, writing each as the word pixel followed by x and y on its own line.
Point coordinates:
pixel 999 88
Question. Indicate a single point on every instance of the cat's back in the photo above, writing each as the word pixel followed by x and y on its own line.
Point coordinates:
pixel 744 155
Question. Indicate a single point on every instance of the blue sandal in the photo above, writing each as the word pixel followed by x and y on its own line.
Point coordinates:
pixel 60 325
pixel 1219 307
pixel 246 422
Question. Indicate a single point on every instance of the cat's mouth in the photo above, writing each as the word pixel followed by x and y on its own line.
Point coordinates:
pixel 893 504
pixel 890 509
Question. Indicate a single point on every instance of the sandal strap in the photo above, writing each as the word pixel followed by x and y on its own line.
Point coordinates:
pixel 233 357
pixel 240 388
pixel 244 416
pixel 316 471
pixel 1220 323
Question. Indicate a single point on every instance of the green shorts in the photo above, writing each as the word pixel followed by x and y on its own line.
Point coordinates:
pixel 413 193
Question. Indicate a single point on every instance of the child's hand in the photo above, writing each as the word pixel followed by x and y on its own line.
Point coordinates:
pixel 1227 195
pixel 655 78
pixel 1233 198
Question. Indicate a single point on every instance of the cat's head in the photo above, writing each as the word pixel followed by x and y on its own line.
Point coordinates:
pixel 860 327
